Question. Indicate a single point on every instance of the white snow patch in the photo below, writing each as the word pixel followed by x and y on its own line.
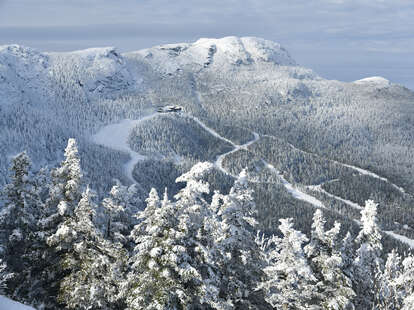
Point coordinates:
pixel 296 193
pixel 8 304
pixel 348 202
pixel 377 81
pixel 219 161
pixel 115 136
pixel 403 239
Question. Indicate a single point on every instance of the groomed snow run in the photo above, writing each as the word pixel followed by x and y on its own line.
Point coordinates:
pixel 296 193
pixel 115 136
pixel 348 202
pixel 403 239
pixel 219 161
pixel 359 170
pixel 8 304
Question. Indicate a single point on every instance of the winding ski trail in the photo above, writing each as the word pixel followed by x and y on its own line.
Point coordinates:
pixel 358 169
pixel 115 136
pixel 295 192
pixel 409 242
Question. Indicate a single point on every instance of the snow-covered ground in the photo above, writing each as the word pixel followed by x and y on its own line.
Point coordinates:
pixel 348 202
pixel 219 161
pixel 403 239
pixel 115 136
pixel 359 170
pixel 296 193
pixel 377 81
pixel 8 304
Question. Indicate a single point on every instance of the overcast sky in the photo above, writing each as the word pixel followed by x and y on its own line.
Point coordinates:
pixel 340 39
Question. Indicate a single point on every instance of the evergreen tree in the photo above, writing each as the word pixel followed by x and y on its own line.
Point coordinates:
pixel 405 283
pixel 368 258
pixel 162 275
pixel 4 276
pixel 65 192
pixel 18 227
pixel 120 207
pixel 242 260
pixel 389 295
pixel 198 219
pixel 334 288
pixel 289 282
pixel 348 255
pixel 92 264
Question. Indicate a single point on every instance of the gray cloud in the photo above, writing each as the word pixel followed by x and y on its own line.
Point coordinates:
pixel 341 39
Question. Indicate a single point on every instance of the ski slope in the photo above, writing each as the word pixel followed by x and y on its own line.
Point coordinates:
pixel 115 136
pixel 358 169
pixel 403 239
pixel 8 304
pixel 295 192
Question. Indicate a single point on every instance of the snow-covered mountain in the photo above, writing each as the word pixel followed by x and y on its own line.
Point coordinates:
pixel 242 102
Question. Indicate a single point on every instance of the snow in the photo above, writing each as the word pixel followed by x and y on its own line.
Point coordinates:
pixel 115 136
pixel 372 174
pixel 359 170
pixel 8 304
pixel 206 52
pixel 296 193
pixel 377 81
pixel 403 239
pixel 348 202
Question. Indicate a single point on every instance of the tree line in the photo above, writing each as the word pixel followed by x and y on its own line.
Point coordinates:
pixel 63 249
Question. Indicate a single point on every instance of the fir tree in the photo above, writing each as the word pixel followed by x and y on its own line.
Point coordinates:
pixel 405 283
pixel 368 258
pixel 119 208
pixel 65 192
pixel 18 227
pixel 289 282
pixel 389 295
pixel 334 288
pixel 93 265
pixel 242 260
pixel 162 275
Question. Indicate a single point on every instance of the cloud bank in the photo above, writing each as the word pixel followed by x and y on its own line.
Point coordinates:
pixel 340 39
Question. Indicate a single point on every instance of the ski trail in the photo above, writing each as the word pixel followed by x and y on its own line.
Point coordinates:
pixel 219 161
pixel 359 170
pixel 115 136
pixel 347 202
pixel 401 238
pixel 210 130
pixel 6 303
pixel 296 193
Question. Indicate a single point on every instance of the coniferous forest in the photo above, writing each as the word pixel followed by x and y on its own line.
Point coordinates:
pixel 63 248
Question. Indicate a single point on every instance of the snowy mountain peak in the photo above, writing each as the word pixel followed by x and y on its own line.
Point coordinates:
pixel 216 53
pixel 377 81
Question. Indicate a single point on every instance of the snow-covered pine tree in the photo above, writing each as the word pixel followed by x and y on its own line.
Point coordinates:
pixel 65 191
pixel 93 266
pixel 389 295
pixel 334 288
pixel 18 227
pixel 242 259
pixel 289 283
pixel 348 255
pixel 368 258
pixel 198 219
pixel 120 207
pixel 161 276
pixel 4 276
pixel 405 283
